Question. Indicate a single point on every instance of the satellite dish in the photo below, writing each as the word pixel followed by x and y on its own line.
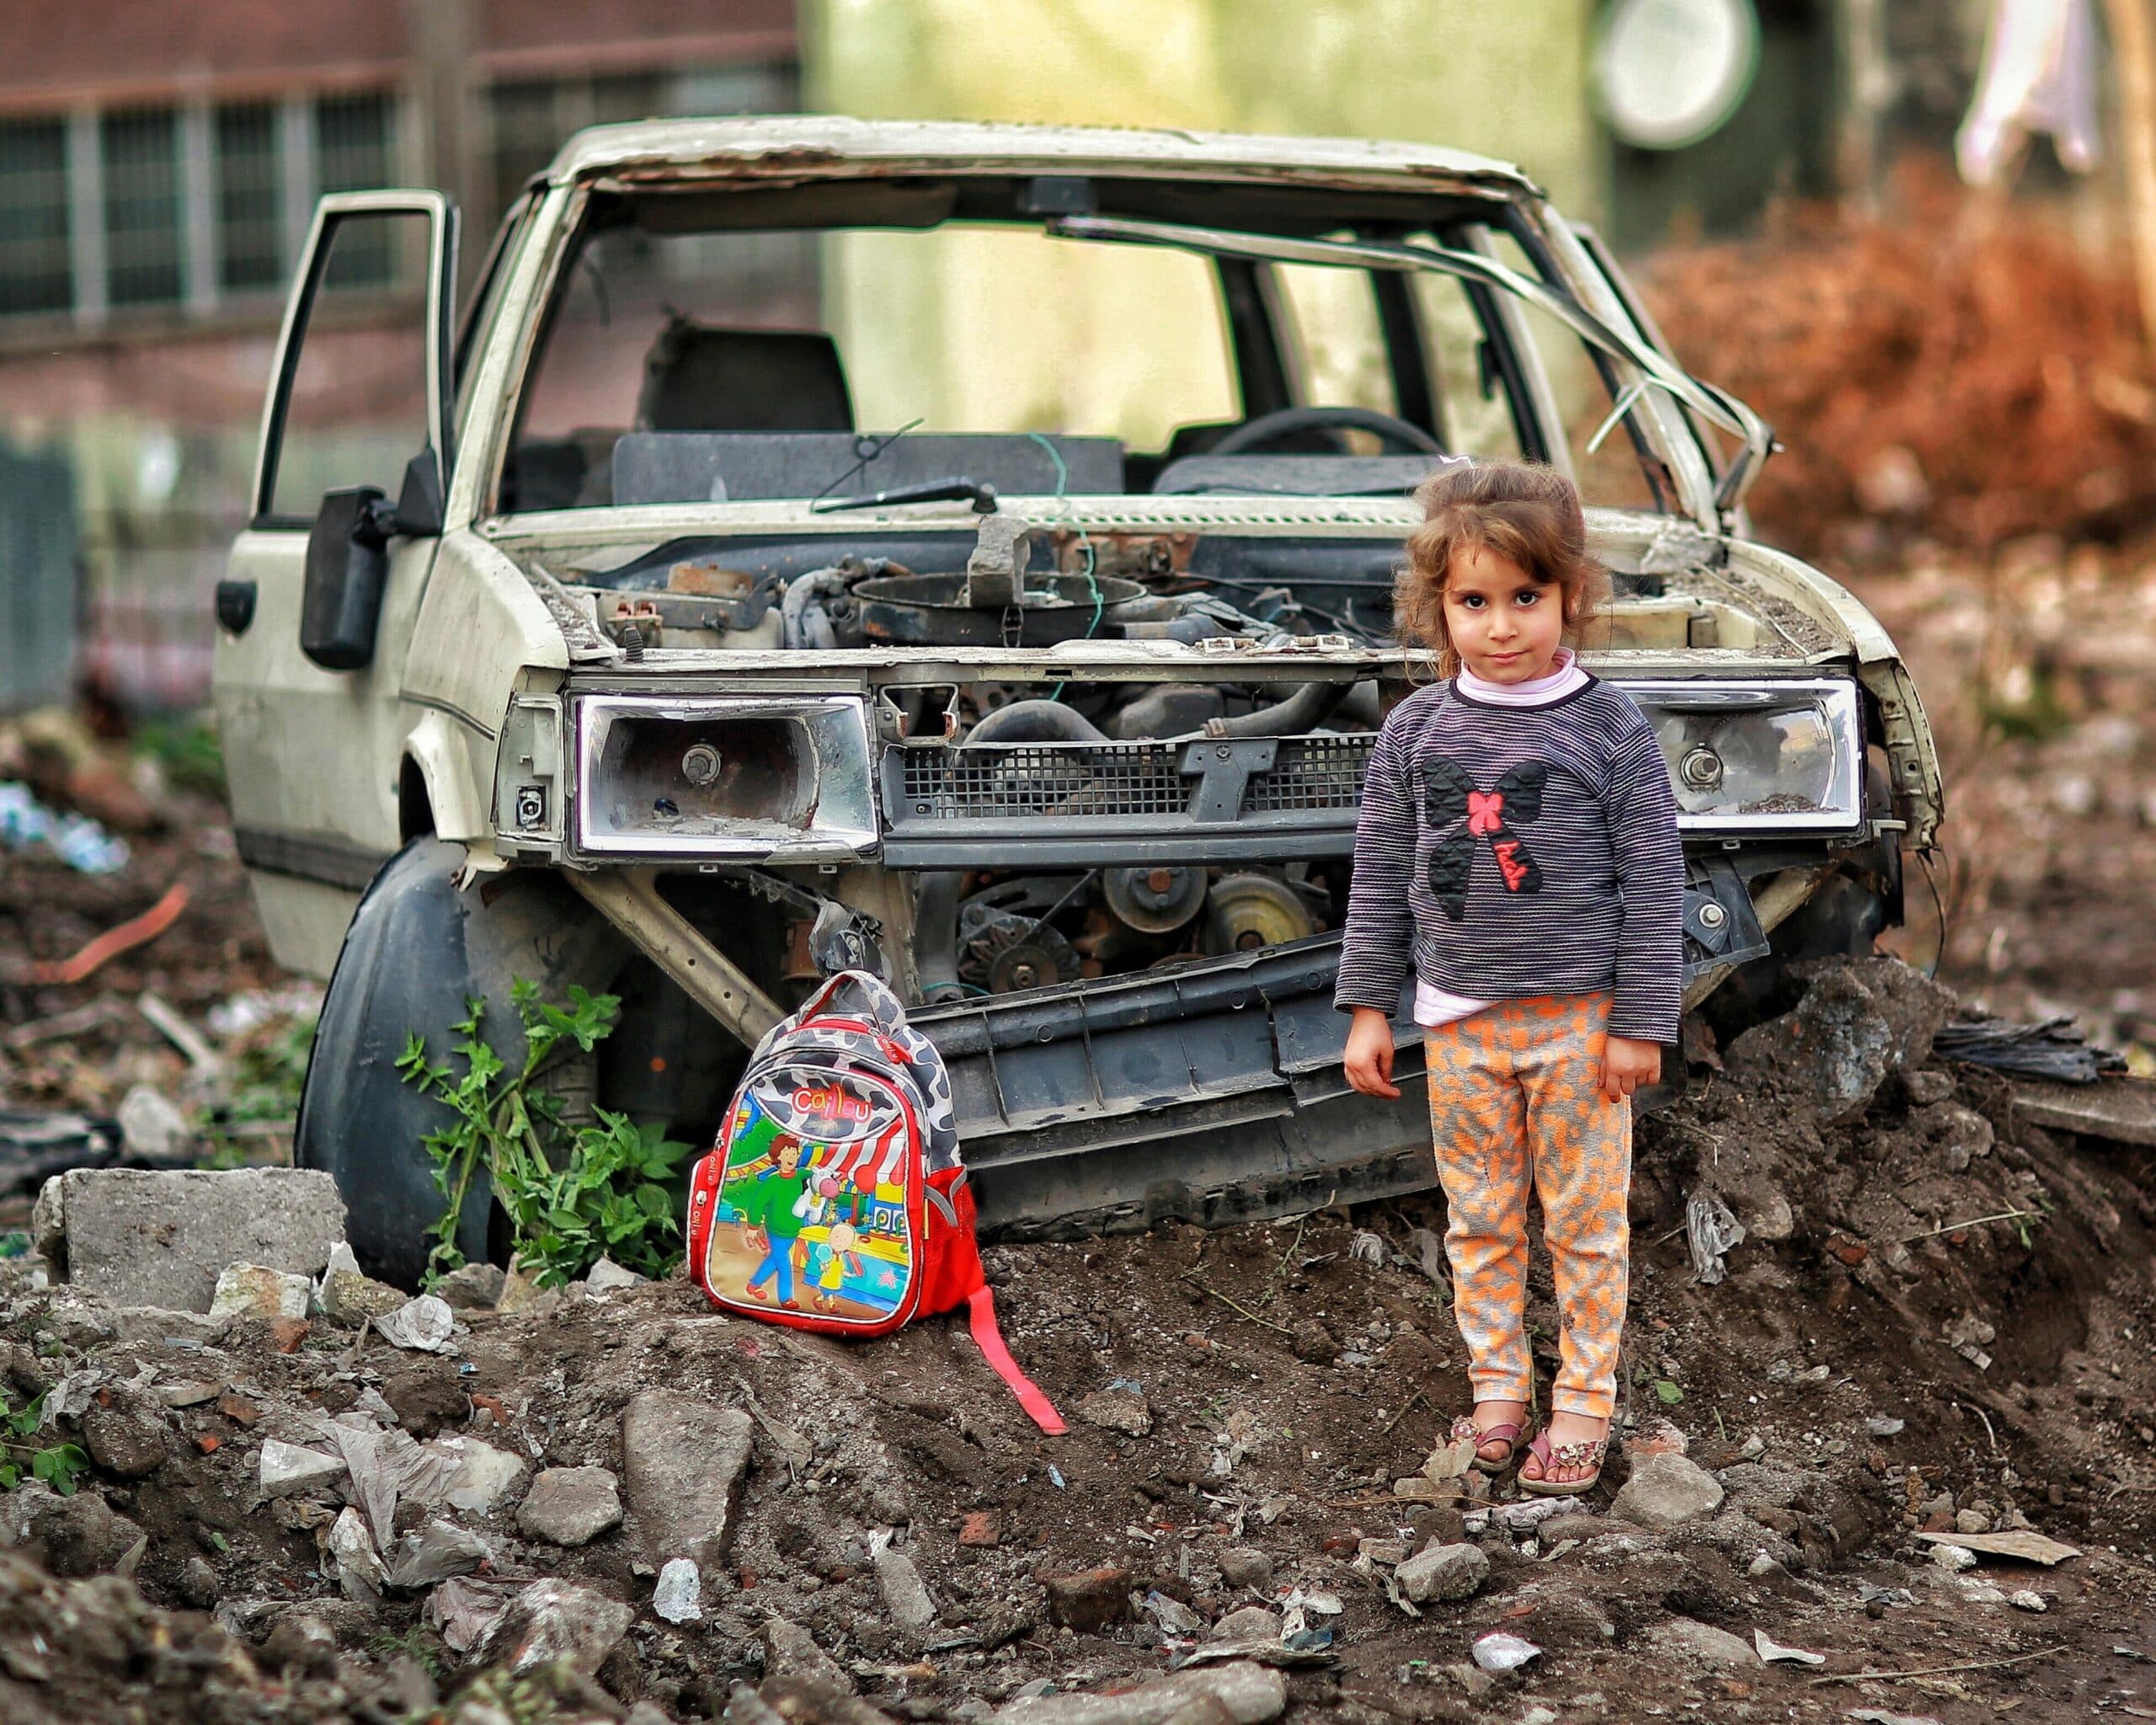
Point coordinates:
pixel 1670 72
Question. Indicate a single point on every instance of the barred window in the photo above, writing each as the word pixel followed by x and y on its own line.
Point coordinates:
pixel 250 195
pixel 35 272
pixel 140 150
pixel 352 153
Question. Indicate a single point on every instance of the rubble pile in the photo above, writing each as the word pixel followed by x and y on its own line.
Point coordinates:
pixel 1893 352
pixel 1912 1426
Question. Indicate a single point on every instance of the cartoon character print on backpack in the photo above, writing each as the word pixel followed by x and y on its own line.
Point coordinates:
pixel 812 1205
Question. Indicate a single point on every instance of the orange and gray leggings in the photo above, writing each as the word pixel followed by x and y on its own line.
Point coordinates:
pixel 1515 1098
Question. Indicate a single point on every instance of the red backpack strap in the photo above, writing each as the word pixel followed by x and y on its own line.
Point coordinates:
pixel 981 1317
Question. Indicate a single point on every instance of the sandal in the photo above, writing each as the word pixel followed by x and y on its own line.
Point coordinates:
pixel 1555 1455
pixel 1505 1432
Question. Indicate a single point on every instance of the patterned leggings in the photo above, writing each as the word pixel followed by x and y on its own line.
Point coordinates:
pixel 1515 1095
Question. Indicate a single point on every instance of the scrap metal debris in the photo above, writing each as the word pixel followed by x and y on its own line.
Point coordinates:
pixel 2052 1048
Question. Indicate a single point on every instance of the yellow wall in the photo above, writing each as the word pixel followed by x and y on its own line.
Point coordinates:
pixel 993 334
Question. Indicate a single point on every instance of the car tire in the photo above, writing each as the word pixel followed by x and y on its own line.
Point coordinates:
pixel 418 948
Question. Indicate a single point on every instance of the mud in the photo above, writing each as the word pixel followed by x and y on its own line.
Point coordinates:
pixel 1241 1405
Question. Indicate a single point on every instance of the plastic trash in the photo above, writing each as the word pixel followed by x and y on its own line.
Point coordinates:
pixel 1711 1229
pixel 1770 1650
pixel 1499 1651
pixel 425 1324
pixel 76 839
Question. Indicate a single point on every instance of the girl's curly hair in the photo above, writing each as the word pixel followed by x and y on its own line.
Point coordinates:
pixel 1522 511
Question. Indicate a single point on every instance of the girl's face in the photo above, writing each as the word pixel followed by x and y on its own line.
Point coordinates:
pixel 1505 625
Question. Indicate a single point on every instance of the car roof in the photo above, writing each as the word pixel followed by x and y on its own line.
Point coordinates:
pixel 793 147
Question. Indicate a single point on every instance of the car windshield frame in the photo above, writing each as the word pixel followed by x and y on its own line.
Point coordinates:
pixel 1635 371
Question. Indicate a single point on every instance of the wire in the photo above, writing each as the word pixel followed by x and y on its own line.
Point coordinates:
pixel 875 446
pixel 1084 539
pixel 1938 904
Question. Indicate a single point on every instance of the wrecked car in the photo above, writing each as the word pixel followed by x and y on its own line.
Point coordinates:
pixel 779 575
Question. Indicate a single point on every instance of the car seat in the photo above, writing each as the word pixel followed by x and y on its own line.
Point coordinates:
pixel 697 377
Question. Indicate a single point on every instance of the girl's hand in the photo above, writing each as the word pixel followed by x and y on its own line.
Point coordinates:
pixel 1626 1065
pixel 1368 1059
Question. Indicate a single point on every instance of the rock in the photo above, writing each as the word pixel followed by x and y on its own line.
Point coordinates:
pixel 1656 1437
pixel 424 1324
pixel 79 1535
pixel 198 1584
pixel 434 1553
pixel 1953 1559
pixel 124 1433
pixel 1435 1523
pixel 139 1237
pixel 1927 1087
pixel 289 1468
pixel 1236 1693
pixel 1245 1566
pixel 1957 1134
pixel 1088 1600
pixel 1859 1019
pixel 905 1595
pixel 571 1506
pixel 1702 1644
pixel 1314 1344
pixel 558 1620
pixel 472 1287
pixel 606 1276
pixel 1667 1490
pixel 679 1595
pixel 2027 1599
pixel 1443 1573
pixel 286 1333
pixel 302 1642
pixel 790 1651
pixel 683 1463
pixel 1767 1216
pixel 1251 1623
pixel 256 1290
pixel 152 1127
pixel 358 1566
pixel 1971 1521
pixel 1117 1411
pixel 481 1475
pixel 346 1291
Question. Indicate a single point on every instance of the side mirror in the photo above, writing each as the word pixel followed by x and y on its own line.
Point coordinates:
pixel 347 564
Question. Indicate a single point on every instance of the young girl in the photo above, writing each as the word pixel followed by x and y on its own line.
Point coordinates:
pixel 1517 840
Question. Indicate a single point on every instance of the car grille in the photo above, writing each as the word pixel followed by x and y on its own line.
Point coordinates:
pixel 1083 796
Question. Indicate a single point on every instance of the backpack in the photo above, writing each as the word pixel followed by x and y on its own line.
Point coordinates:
pixel 835 1198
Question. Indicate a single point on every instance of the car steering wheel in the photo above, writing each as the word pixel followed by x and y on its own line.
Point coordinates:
pixel 1275 427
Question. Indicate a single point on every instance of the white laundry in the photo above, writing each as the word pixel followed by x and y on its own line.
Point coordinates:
pixel 2040 75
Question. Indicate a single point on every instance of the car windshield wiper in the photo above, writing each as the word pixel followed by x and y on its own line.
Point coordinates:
pixel 1711 403
pixel 982 496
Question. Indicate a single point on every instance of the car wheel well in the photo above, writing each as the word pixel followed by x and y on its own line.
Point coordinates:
pixel 415 807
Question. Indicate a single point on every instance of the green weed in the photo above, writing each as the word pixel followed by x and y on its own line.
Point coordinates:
pixel 570 1194
pixel 58 1464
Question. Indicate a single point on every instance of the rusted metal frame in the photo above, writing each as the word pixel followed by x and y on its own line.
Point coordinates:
pixel 630 899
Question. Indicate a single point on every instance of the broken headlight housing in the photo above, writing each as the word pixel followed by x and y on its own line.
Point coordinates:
pixel 1760 756
pixel 779 778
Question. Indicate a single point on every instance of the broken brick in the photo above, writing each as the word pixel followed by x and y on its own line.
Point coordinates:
pixel 979 1528
pixel 288 1332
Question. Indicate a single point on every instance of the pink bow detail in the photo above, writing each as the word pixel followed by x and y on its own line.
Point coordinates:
pixel 1486 811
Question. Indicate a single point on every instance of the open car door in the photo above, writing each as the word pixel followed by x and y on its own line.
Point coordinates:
pixel 314 613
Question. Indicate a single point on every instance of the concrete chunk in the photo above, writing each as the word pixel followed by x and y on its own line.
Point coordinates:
pixel 683 1464
pixel 160 1238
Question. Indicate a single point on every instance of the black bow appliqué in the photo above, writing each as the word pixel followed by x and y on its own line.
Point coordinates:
pixel 1447 794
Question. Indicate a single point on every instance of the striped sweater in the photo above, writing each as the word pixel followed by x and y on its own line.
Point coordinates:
pixel 1509 851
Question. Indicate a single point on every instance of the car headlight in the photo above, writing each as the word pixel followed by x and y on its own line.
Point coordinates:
pixel 785 778
pixel 1760 756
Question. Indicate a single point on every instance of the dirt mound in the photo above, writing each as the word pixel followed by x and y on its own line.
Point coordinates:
pixel 1951 367
pixel 1935 1322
